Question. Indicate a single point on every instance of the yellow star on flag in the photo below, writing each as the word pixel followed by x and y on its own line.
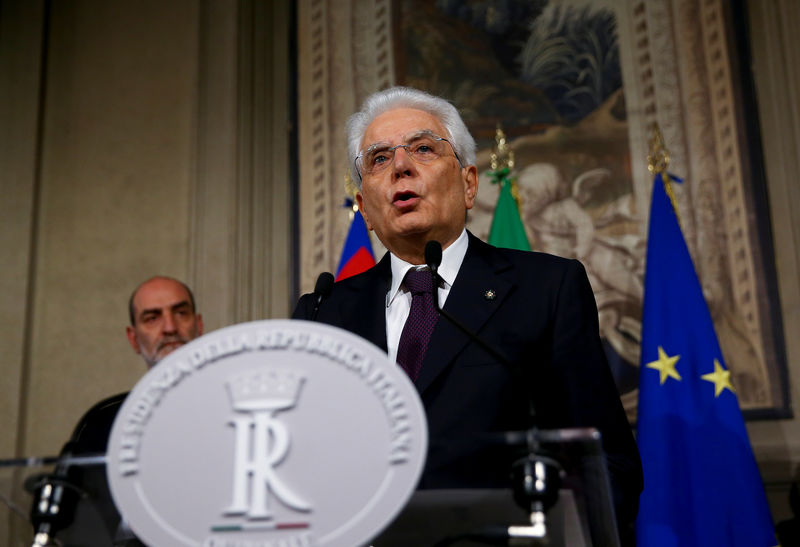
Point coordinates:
pixel 665 365
pixel 720 377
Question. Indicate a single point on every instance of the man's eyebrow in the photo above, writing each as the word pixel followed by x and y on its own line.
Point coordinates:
pixel 181 304
pixel 158 311
pixel 420 133
pixel 377 146
pixel 150 311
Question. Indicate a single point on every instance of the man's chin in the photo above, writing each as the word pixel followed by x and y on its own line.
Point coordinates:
pixel 166 350
pixel 411 227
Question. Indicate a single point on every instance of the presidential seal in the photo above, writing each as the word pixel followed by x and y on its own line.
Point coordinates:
pixel 268 434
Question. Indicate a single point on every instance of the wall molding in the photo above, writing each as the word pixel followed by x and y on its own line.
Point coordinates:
pixel 240 259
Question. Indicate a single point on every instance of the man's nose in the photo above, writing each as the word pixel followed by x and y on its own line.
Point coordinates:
pixel 169 324
pixel 403 164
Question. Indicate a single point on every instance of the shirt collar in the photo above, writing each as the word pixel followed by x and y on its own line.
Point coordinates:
pixel 452 257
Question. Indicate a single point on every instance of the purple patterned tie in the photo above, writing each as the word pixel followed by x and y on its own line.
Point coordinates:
pixel 419 325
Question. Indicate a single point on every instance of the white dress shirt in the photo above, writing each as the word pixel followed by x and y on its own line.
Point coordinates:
pixel 398 299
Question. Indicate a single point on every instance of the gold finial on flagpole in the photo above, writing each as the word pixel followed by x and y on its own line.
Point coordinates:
pixel 658 158
pixel 350 189
pixel 657 163
pixel 503 159
pixel 502 156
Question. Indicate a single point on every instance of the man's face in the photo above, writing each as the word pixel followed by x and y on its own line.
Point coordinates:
pixel 410 203
pixel 164 319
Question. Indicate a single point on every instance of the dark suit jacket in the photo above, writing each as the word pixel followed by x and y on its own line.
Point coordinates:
pixel 544 319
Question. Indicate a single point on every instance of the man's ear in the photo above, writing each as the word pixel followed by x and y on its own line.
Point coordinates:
pixel 470 176
pixel 199 324
pixel 131 333
pixel 360 201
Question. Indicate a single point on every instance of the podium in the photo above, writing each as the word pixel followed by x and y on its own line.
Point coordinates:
pixel 582 516
pixel 473 517
pixel 296 434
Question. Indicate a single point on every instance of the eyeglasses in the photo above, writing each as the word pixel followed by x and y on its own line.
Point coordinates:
pixel 422 147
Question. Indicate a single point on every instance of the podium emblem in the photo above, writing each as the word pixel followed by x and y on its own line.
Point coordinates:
pixel 267 434
pixel 262 441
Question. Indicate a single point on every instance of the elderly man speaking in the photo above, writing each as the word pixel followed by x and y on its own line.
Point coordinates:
pixel 414 160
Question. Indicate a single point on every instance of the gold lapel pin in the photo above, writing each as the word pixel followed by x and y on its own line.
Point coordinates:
pixel 490 295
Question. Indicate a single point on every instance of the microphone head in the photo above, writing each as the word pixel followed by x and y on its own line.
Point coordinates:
pixel 324 284
pixel 433 254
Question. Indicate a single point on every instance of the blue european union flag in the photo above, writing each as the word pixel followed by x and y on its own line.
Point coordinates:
pixel 701 483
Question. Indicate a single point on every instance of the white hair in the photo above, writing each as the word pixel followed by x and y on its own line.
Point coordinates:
pixel 407 97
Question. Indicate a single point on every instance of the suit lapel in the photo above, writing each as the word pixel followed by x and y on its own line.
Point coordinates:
pixel 483 270
pixel 364 309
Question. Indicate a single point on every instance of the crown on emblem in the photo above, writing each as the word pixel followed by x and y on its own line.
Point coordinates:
pixel 271 390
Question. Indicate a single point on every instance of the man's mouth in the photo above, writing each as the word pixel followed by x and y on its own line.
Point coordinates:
pixel 171 344
pixel 405 199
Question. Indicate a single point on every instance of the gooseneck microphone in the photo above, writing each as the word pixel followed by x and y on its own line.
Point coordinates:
pixel 433 258
pixel 536 477
pixel 322 290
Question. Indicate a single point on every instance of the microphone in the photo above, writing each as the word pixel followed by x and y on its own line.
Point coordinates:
pixel 433 258
pixel 322 290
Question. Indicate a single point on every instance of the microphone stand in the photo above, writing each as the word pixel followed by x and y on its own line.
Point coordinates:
pixel 536 478
pixel 56 499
